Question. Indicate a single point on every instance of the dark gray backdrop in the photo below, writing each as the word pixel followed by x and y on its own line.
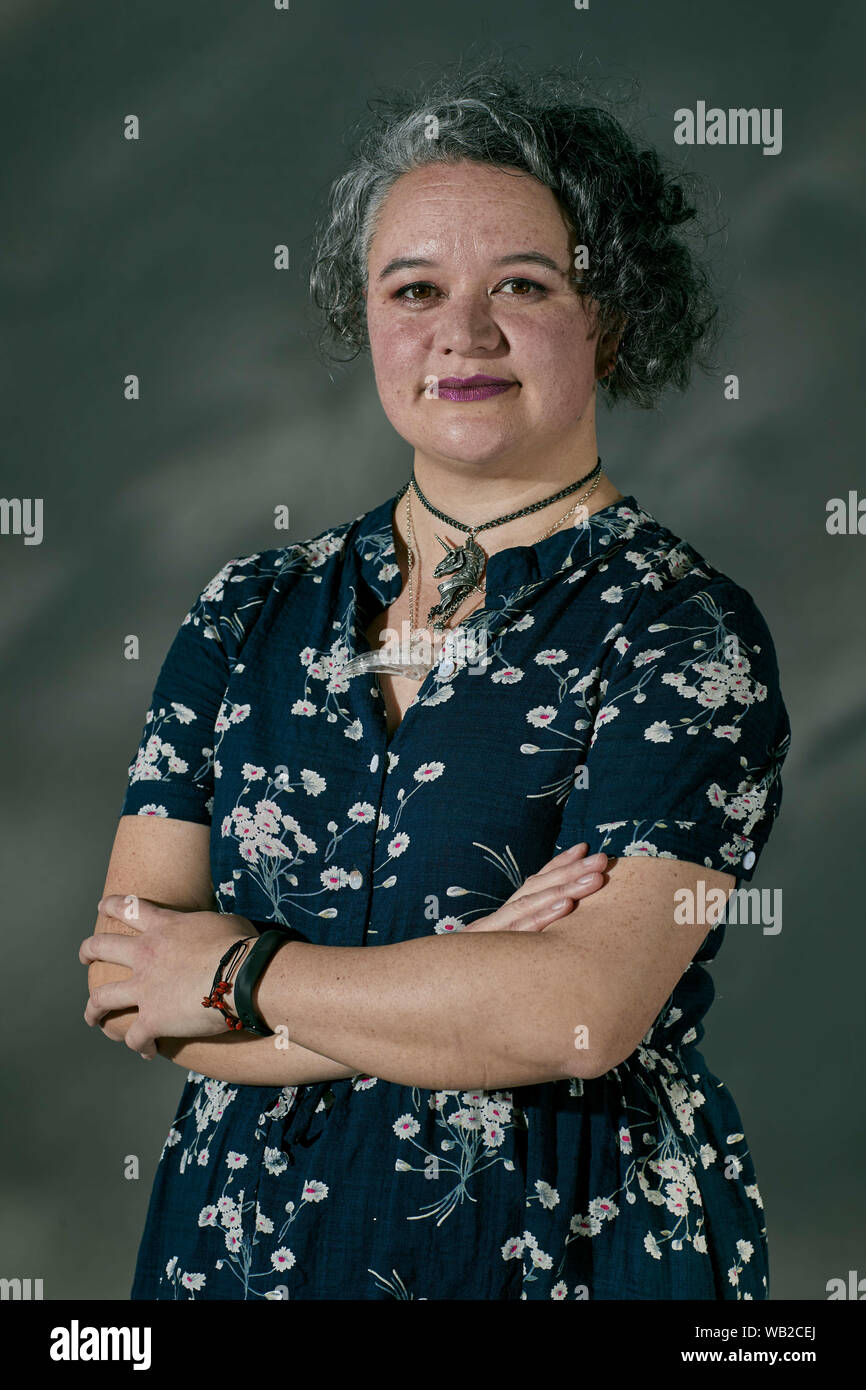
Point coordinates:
pixel 155 257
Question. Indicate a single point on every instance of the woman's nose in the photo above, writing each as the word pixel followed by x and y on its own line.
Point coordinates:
pixel 465 324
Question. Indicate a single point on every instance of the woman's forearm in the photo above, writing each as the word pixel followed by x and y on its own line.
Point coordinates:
pixel 246 1060
pixel 461 1012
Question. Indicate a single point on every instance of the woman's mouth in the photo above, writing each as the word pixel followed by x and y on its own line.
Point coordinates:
pixel 471 388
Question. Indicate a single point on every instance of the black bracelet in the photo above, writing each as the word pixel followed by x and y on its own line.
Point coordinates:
pixel 247 978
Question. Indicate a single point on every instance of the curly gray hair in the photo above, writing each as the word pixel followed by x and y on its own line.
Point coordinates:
pixel 619 201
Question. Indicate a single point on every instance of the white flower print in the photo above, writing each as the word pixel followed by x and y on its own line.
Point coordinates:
pixel 314 1191
pixel 547 1195
pixel 428 772
pixel 405 1126
pixel 541 716
pixel 275 1162
pixel 313 783
pixel 476 1130
pixel 659 732
pixel 512 1249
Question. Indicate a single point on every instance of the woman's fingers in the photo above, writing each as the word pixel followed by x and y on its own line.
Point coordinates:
pixel 106 946
pixel 540 909
pixel 533 911
pixel 564 871
pixel 118 994
pixel 548 894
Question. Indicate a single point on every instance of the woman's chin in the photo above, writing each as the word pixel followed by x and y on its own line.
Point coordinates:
pixel 472 448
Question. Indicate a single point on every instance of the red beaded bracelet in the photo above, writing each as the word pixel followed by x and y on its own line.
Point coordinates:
pixel 230 962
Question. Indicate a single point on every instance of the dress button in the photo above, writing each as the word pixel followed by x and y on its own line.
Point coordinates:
pixel 356 878
pixel 749 859
pixel 374 762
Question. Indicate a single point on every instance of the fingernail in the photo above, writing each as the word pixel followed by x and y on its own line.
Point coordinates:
pixel 586 878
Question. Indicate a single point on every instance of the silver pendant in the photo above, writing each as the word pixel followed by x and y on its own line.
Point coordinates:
pixel 463 565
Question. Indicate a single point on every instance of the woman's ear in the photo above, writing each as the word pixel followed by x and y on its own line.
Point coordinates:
pixel 605 353
pixel 608 345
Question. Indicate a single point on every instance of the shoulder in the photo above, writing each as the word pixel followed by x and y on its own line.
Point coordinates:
pixel 691 649
pixel 675 590
pixel 233 599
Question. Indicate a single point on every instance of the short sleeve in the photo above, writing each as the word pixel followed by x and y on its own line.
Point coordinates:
pixel 172 771
pixel 687 743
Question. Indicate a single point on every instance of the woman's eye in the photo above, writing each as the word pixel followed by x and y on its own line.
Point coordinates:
pixel 419 285
pixel 531 286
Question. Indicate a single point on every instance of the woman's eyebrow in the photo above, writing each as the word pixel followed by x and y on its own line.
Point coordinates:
pixel 513 258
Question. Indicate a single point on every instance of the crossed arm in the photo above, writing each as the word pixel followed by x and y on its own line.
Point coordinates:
pixel 168 861
pixel 488 1011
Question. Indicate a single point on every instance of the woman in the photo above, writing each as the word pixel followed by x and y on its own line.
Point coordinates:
pixel 411 728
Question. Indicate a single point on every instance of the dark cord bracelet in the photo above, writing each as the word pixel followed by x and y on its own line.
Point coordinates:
pixel 248 976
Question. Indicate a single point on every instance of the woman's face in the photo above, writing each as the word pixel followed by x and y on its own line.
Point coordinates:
pixel 478 301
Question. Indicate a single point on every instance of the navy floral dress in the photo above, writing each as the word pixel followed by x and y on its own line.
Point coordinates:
pixel 628 696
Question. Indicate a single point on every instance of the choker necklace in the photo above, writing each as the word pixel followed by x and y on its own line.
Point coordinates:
pixel 462 567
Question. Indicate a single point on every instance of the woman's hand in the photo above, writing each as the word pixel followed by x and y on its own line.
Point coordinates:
pixel 549 894
pixel 173 957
